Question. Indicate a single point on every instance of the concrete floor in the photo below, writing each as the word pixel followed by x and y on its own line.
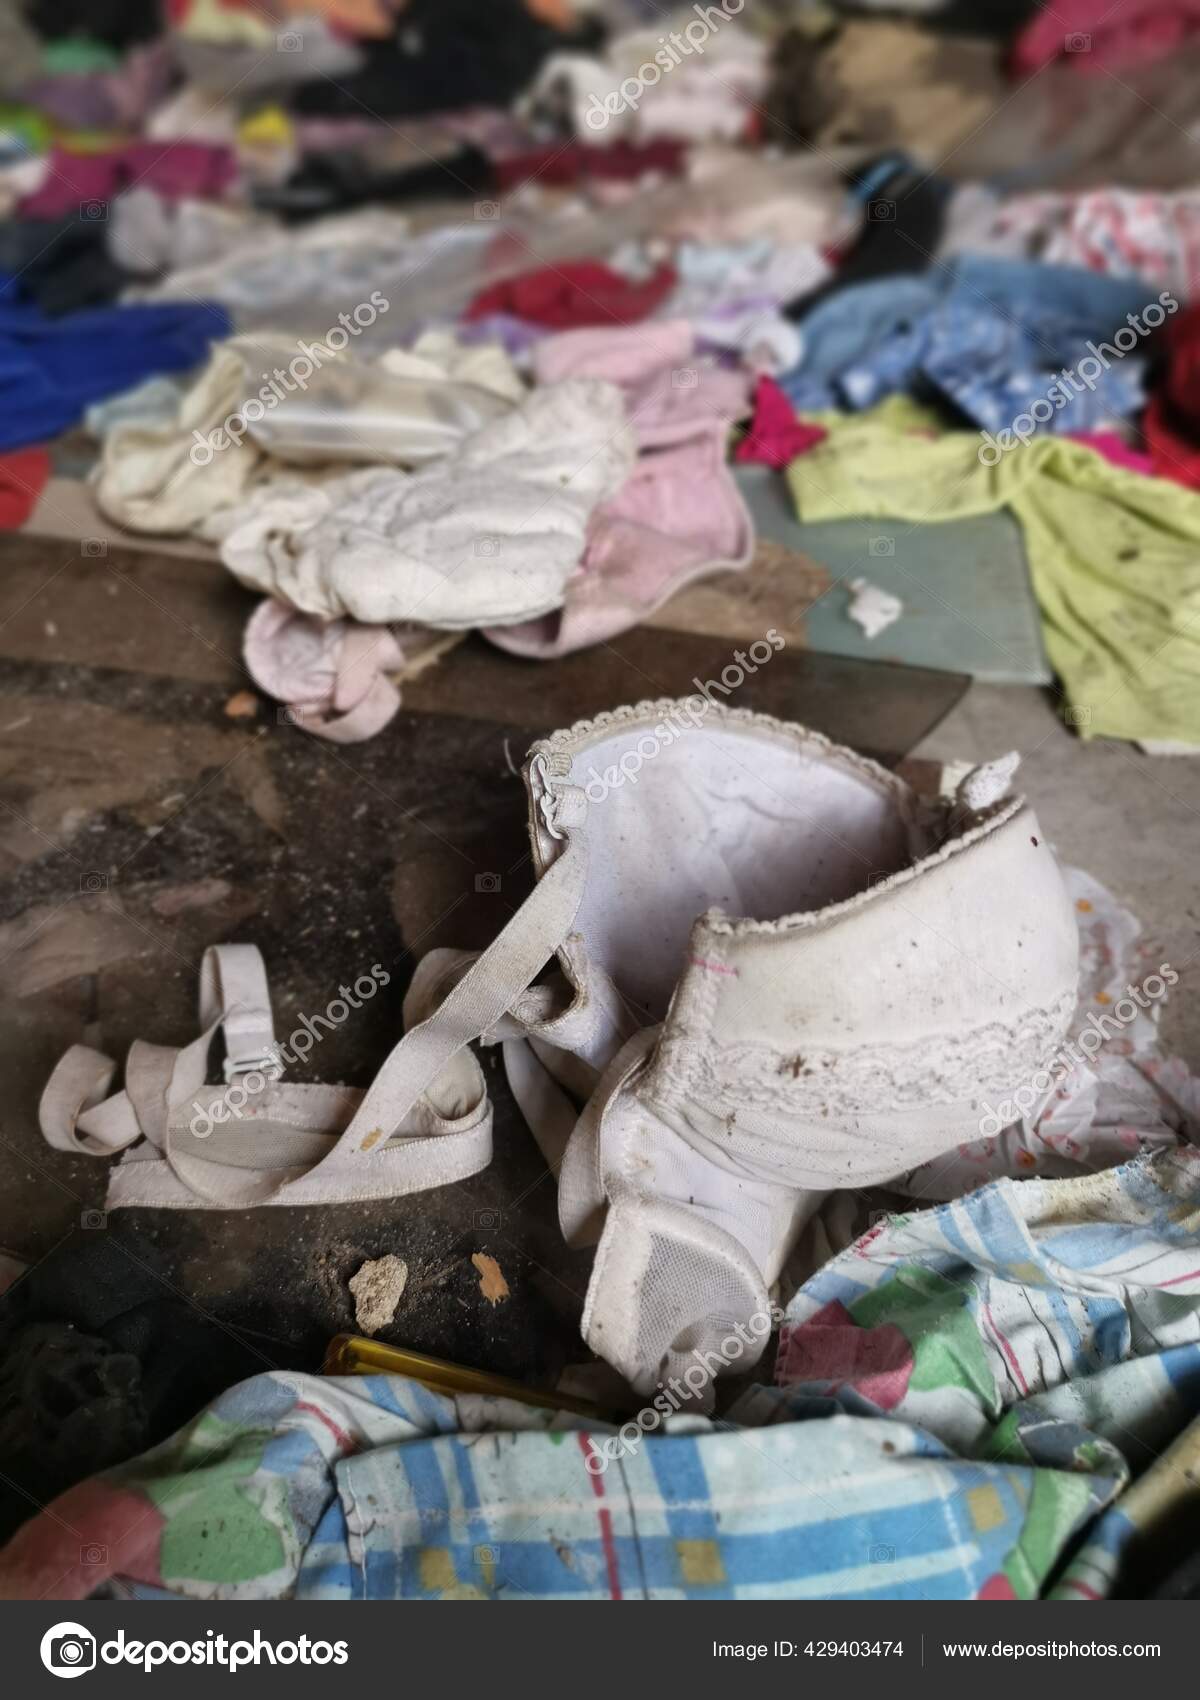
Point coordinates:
pixel 121 759
pixel 142 820
pixel 1130 820
pixel 139 822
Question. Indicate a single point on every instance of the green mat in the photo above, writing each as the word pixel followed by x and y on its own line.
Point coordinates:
pixel 968 603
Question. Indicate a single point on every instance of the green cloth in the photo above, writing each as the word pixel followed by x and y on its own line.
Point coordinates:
pixel 23 127
pixel 75 55
pixel 1114 556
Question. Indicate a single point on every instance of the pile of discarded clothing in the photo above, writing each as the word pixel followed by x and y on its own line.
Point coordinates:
pixel 428 317
pixel 220 256
pixel 322 305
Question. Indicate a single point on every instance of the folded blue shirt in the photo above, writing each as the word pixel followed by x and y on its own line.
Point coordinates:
pixel 52 370
pixel 990 335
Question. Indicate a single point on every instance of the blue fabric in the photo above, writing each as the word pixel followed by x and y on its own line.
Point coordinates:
pixel 989 335
pixel 963 1392
pixel 52 370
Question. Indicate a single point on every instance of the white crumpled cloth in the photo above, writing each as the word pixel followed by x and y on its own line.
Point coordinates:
pixel 404 409
pixel 487 535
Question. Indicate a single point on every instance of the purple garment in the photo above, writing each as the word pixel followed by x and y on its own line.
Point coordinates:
pixel 333 135
pixel 489 128
pixel 105 100
pixel 515 336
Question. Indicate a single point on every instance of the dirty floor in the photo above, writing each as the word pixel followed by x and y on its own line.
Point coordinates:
pixel 151 806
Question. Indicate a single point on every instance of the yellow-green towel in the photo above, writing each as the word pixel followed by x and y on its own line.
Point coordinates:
pixel 1114 555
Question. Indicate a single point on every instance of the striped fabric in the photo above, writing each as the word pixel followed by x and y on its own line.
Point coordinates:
pixel 961 1394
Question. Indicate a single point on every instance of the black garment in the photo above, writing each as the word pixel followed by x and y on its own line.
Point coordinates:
pixel 904 215
pixel 336 182
pixel 61 264
pixel 119 23
pixel 98 1361
pixel 798 101
pixel 69 1405
pixel 445 55
pixel 1183 1581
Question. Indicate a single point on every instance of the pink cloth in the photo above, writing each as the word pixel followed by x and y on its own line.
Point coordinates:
pixel 79 182
pixel 679 516
pixel 670 392
pixel 831 1348
pixel 776 437
pixel 117 1532
pixel 1095 35
pixel 1114 447
pixel 332 677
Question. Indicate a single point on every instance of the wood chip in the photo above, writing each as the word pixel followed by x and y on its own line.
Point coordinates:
pixel 492 1284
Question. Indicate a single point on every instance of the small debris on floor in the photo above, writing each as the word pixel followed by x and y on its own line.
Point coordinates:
pixel 378 1288
pixel 873 608
pixel 242 705
pixel 492 1284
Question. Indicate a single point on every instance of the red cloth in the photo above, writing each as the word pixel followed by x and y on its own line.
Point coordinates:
pixel 1172 453
pixel 1114 448
pixel 82 182
pixel 1095 35
pixel 23 477
pixel 1171 422
pixel 776 437
pixel 559 166
pixel 580 292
